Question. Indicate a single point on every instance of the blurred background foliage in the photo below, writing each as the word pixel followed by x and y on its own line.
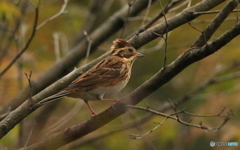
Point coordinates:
pixel 171 135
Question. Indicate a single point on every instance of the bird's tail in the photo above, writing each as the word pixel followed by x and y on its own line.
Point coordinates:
pixel 52 98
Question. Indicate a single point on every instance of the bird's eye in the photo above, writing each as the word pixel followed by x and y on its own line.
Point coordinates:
pixel 130 49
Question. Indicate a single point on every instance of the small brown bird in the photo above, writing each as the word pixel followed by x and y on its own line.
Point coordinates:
pixel 106 78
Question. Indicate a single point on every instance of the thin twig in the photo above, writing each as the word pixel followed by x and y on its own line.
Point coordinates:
pixel 217 115
pixel 30 83
pixel 62 11
pixel 210 20
pixel 211 12
pixel 126 19
pixel 30 134
pixel 147 12
pixel 152 21
pixel 195 27
pixel 157 47
pixel 189 3
pixel 166 37
pixel 138 18
pixel 165 49
pixel 238 12
pixel 137 137
pixel 179 6
pixel 171 103
pixel 27 44
pixel 200 125
pixel 89 46
pixel 215 79
pixel 56 46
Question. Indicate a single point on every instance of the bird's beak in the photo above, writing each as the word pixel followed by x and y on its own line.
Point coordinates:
pixel 139 55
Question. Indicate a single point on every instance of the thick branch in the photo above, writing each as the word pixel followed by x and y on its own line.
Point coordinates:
pixel 158 80
pixel 25 109
pixel 184 17
pixel 170 4
pixel 215 23
pixel 58 70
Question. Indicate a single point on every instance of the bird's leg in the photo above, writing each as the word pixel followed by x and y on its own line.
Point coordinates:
pixel 92 111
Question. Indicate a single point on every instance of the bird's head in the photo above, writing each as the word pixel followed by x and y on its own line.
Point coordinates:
pixel 123 49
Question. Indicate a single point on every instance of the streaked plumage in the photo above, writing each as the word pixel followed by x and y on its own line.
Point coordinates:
pixel 106 78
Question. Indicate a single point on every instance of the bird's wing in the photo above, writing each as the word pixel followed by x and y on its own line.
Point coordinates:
pixel 101 73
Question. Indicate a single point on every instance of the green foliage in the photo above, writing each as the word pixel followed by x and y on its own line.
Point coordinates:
pixel 9 11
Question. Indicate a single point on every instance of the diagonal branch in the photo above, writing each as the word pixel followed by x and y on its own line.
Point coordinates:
pixel 215 23
pixel 81 142
pixel 58 70
pixel 158 80
pixel 148 87
pixel 170 4
pixel 170 116
pixel 62 11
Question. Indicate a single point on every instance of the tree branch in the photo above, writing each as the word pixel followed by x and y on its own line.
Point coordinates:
pixel 58 70
pixel 163 76
pixel 215 23
pixel 171 116
pixel 62 11
pixel 158 80
pixel 27 44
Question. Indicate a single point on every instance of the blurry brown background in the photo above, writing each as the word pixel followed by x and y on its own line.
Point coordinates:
pixel 60 35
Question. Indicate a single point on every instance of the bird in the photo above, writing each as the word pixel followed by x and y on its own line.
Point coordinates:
pixel 104 79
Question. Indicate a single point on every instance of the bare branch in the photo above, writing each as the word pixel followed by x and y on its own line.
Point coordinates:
pixel 29 82
pixel 126 19
pixel 147 12
pixel 179 6
pixel 30 134
pixel 166 36
pixel 60 69
pixel 210 82
pixel 9 34
pixel 164 75
pixel 211 12
pixel 189 3
pixel 195 27
pixel 27 44
pixel 62 11
pixel 217 115
pixel 89 46
pixel 170 4
pixel 120 108
pixel 216 22
pixel 137 137
pixel 146 118
pixel 83 142
pixel 157 47
pixel 56 46
pixel 201 126
pixel 171 103
pixel 35 28
pixel 210 20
